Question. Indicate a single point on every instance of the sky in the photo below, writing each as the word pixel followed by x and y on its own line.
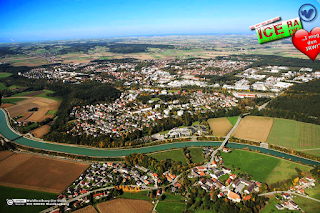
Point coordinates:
pixel 35 20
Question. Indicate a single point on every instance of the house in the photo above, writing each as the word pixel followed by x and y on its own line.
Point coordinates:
pixel 202 174
pixel 234 196
pixel 279 206
pixel 249 189
pixel 309 178
pixel 226 170
pixel 233 176
pixel 226 150
pixel 248 197
pixel 228 181
pixel 286 196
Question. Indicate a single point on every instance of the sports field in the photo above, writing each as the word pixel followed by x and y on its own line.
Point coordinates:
pixel 39 173
pixel 254 128
pixel 294 134
pixel 220 126
pixel 125 206
pixel 258 165
pixel 15 193
pixel 176 155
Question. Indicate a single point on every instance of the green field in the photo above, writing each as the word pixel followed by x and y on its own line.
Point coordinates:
pixel 5 74
pixel 313 152
pixel 143 195
pixel 258 165
pixel 233 120
pixel 2 86
pixel 196 155
pixel 14 87
pixel 173 198
pixel 314 192
pixel 12 100
pixel 166 207
pixel 306 204
pixel 22 94
pixel 271 207
pixel 15 193
pixel 284 170
pixel 176 155
pixel 52 112
pixel 45 95
pixel 294 134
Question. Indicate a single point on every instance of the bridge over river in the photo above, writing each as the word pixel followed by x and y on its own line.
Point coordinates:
pixel 8 132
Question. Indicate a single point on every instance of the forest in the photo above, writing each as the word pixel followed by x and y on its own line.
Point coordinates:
pixel 303 99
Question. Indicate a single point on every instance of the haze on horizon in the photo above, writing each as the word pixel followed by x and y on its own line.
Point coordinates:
pixel 36 20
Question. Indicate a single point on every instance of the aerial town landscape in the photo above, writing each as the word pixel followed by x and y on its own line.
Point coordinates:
pixel 124 121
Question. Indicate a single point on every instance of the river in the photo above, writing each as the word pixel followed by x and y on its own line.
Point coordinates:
pixel 95 152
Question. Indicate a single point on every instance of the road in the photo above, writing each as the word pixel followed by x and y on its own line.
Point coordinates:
pixel 263 106
pixel 225 140
pixel 289 192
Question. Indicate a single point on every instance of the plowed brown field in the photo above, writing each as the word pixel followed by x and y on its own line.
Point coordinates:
pixel 39 173
pixel 41 131
pixel 43 105
pixel 125 206
pixel 88 209
pixel 220 126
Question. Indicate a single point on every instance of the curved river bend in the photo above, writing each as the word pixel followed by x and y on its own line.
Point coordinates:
pixel 7 132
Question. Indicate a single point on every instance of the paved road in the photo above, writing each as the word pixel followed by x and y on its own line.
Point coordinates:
pixel 225 140
pixel 263 106
pixel 289 192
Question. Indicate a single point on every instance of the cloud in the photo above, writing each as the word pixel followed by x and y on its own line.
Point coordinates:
pixel 13 40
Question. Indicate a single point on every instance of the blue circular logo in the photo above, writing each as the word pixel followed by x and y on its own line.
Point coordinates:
pixel 307 12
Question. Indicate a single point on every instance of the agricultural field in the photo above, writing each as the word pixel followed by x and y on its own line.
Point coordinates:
pixel 176 155
pixel 87 209
pixel 22 105
pixel 12 100
pixel 125 206
pixel 294 134
pixel 172 207
pixel 5 74
pixel 196 155
pixel 41 131
pixel 39 173
pixel 286 169
pixel 220 126
pixel 173 198
pixel 254 128
pixel 233 120
pixel 5 154
pixel 143 195
pixel 306 204
pixel 258 165
pixel 15 193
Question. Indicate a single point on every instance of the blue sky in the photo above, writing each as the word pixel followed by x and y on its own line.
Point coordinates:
pixel 32 20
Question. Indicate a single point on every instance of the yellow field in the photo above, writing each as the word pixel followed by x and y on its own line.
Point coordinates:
pixel 254 128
